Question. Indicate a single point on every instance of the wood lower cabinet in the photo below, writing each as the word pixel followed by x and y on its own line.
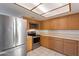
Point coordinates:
pixel 78 48
pixel 52 43
pixel 29 43
pixel 58 45
pixel 64 46
pixel 70 47
pixel 44 41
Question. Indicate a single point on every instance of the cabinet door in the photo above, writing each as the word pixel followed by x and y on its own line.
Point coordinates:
pixel 73 21
pixel 46 25
pixel 78 48
pixel 44 41
pixel 59 23
pixel 59 45
pixel 56 44
pixel 62 23
pixel 51 43
pixel 29 43
pixel 70 47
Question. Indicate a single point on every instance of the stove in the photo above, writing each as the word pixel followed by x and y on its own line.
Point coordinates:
pixel 35 39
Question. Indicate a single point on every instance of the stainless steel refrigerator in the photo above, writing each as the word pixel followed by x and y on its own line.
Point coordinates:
pixel 12 36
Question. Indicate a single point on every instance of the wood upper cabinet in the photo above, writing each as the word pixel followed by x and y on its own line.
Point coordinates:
pixel 62 23
pixel 59 23
pixel 65 22
pixel 73 21
pixel 36 23
pixel 45 25
pixel 70 47
pixel 32 24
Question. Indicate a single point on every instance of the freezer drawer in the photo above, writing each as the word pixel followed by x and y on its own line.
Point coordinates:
pixel 17 51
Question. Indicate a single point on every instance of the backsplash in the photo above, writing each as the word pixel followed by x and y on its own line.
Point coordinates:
pixel 69 34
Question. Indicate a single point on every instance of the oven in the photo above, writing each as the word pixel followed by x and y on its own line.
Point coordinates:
pixel 36 42
pixel 35 39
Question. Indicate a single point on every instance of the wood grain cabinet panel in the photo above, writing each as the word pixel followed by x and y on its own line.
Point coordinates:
pixel 62 23
pixel 64 46
pixel 44 41
pixel 29 43
pixel 78 48
pixel 51 43
pixel 46 25
pixel 70 47
pixel 73 21
pixel 56 44
pixel 65 22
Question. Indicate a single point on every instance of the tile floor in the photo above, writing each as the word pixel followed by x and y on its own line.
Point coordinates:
pixel 42 51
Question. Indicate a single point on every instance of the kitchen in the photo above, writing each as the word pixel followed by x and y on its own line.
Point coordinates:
pixel 43 29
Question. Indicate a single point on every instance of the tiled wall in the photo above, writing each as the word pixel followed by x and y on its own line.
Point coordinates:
pixel 68 34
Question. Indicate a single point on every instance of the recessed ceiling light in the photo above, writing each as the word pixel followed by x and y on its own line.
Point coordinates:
pixel 28 5
pixel 45 7
pixel 57 11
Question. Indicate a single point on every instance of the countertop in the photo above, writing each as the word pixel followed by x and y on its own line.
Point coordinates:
pixel 72 37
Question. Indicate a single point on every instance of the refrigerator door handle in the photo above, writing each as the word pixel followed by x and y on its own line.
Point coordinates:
pixel 14 32
pixel 16 40
pixel 15 36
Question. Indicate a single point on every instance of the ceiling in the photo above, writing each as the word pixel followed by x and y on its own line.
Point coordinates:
pixel 46 9
pixel 38 11
pixel 12 9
